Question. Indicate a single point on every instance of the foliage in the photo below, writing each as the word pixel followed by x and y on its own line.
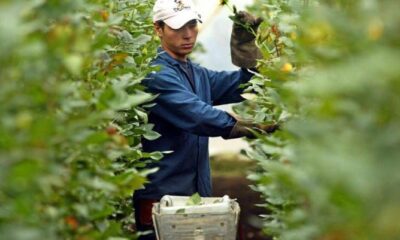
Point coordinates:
pixel 71 116
pixel 331 67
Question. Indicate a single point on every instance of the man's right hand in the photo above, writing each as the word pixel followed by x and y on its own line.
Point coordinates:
pixel 245 128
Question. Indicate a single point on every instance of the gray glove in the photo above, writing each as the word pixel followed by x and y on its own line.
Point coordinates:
pixel 244 51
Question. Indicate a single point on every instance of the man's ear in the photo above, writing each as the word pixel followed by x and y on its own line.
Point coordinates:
pixel 158 29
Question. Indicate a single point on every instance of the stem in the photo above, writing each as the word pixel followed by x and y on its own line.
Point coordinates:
pixel 230 8
pixel 247 27
pixel 278 53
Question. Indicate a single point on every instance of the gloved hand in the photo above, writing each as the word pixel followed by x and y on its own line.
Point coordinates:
pixel 242 129
pixel 244 51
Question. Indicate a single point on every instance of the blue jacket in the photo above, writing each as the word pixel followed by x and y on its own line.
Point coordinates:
pixel 185 118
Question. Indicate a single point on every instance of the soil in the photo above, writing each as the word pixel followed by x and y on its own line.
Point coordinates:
pixel 238 187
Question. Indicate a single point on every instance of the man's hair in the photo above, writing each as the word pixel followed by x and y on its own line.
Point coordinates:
pixel 161 24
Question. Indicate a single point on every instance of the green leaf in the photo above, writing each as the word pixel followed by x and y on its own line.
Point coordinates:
pixel 195 199
pixel 180 211
pixel 151 135
pixel 73 63
pixel 142 39
pixel 156 155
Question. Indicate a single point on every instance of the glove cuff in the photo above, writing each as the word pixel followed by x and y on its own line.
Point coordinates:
pixel 240 130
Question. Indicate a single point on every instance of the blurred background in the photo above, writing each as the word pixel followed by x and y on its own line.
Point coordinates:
pixel 214 37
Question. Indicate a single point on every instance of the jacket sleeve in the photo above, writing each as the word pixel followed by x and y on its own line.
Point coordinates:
pixel 180 107
pixel 225 85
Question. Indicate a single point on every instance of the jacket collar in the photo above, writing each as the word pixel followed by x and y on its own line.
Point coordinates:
pixel 162 54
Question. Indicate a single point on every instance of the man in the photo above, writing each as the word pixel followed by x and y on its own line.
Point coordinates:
pixel 184 114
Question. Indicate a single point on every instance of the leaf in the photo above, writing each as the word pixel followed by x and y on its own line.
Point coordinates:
pixel 73 62
pixel 151 135
pixel 142 39
pixel 102 212
pixel 180 211
pixel 96 138
pixel 195 199
pixel 156 155
pixel 140 98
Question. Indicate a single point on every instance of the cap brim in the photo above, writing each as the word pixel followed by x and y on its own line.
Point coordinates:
pixel 180 20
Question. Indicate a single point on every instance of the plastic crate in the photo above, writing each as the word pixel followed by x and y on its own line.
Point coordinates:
pixel 214 219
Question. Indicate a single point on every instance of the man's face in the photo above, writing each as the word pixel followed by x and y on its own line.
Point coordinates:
pixel 178 42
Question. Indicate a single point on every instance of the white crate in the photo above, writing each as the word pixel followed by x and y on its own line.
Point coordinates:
pixel 214 219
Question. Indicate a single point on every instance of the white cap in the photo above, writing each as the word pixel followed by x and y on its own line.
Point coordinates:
pixel 175 13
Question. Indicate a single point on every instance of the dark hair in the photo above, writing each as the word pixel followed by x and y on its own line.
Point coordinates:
pixel 160 23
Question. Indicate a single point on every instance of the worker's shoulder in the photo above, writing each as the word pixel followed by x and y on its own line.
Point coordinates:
pixel 164 68
pixel 165 72
pixel 164 62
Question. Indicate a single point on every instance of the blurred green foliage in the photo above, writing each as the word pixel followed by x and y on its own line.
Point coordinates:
pixel 230 165
pixel 72 115
pixel 330 75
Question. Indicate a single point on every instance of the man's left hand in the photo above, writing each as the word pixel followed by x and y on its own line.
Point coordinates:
pixel 244 51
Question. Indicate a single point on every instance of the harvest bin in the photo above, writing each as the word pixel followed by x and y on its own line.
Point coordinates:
pixel 213 219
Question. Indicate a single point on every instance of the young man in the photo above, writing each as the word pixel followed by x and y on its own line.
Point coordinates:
pixel 184 114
